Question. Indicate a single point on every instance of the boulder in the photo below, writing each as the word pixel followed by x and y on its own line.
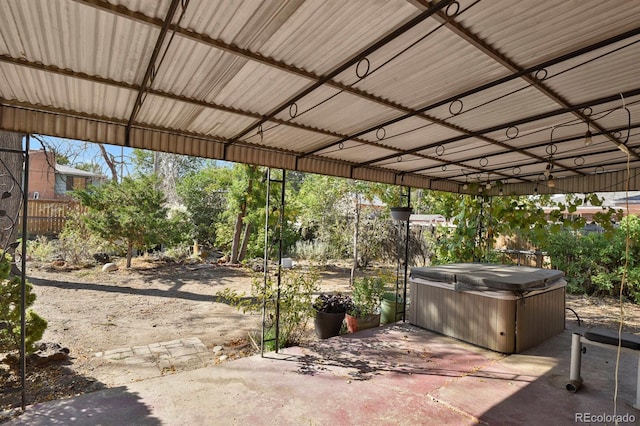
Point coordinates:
pixel 109 267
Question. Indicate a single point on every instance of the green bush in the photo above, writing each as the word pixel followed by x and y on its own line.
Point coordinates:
pixel 77 243
pixel 10 294
pixel 367 295
pixel 41 249
pixel 595 263
pixel 296 292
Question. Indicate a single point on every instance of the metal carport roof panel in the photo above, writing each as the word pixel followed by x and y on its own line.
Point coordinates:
pixel 409 92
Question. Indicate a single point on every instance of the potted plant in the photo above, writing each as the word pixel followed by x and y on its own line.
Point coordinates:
pixel 391 308
pixel 367 295
pixel 330 311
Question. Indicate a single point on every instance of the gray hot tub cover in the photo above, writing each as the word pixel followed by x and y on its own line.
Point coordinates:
pixel 480 276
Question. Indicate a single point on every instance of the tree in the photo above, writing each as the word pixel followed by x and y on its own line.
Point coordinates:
pixel 170 169
pixel 74 153
pixel 132 211
pixel 148 162
pixel 246 200
pixel 339 214
pixel 10 312
pixel 204 194
pixel 480 219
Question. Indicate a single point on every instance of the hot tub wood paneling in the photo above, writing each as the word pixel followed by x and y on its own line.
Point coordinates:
pixel 499 321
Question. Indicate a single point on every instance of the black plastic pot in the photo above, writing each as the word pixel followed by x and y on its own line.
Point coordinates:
pixel 328 325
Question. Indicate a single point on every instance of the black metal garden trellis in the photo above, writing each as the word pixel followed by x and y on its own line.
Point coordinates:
pixel 12 185
pixel 402 215
pixel 273 241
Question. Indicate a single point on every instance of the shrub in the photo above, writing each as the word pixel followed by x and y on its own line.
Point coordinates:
pixel 10 294
pixel 311 250
pixel 296 291
pixel 367 295
pixel 77 244
pixel 41 249
pixel 594 263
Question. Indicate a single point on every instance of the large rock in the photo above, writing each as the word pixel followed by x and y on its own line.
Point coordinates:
pixel 109 267
pixel 45 353
pixel 48 352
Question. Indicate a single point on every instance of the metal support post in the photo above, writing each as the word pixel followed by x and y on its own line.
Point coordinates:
pixel 575 380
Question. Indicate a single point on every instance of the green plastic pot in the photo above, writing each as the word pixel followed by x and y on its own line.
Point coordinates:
pixel 391 308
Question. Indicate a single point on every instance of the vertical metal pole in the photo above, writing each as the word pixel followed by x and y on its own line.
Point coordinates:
pixel 575 381
pixel 478 242
pixel 281 238
pixel 406 260
pixel 265 262
pixel 489 235
pixel 23 277
pixel 398 269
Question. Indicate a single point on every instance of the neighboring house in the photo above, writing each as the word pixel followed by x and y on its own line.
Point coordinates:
pixel 51 181
pixel 616 200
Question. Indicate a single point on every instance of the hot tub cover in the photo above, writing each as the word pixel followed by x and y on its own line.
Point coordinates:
pixel 478 276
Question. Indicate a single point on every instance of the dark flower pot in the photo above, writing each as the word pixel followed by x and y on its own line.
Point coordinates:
pixel 328 324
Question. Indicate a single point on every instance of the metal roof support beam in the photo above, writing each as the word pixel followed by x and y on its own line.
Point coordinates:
pixel 556 142
pixel 559 59
pixel 256 57
pixel 345 65
pixel 508 63
pixel 439 15
pixel 553 113
pixel 180 98
pixel 150 74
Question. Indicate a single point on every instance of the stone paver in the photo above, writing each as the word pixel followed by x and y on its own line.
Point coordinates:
pixel 189 352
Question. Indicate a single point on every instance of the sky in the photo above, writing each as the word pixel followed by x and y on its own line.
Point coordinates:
pixel 85 152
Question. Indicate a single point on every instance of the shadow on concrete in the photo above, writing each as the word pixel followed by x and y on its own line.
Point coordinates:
pixel 542 397
pixel 117 405
pixel 399 349
pixel 44 382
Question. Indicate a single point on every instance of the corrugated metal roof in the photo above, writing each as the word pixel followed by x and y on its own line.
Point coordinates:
pixel 71 171
pixel 383 90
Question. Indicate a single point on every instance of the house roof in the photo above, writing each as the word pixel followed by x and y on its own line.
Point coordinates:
pixel 631 200
pixel 427 219
pixel 425 94
pixel 70 171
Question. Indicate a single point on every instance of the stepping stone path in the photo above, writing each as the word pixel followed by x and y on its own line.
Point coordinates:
pixel 165 356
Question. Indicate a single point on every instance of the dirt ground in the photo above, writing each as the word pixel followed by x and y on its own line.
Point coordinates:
pixel 90 311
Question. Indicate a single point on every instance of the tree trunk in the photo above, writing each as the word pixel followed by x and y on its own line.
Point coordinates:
pixel 11 181
pixel 110 162
pixel 129 254
pixel 235 245
pixel 245 242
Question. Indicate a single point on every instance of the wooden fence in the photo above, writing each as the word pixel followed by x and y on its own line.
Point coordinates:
pixel 47 217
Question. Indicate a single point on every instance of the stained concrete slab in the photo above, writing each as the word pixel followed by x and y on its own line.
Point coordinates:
pixel 397 374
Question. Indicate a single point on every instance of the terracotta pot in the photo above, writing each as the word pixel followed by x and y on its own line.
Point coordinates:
pixel 362 323
pixel 328 325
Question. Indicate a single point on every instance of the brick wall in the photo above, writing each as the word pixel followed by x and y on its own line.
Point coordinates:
pixel 42 178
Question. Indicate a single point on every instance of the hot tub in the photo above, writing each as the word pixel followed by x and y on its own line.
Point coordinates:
pixel 499 307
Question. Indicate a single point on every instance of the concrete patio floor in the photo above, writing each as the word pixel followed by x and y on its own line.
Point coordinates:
pixel 398 374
